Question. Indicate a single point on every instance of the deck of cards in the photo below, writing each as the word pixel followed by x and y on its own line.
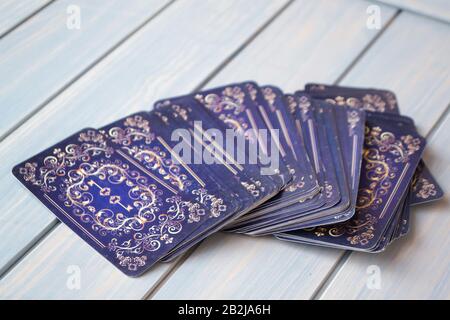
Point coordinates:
pixel 330 166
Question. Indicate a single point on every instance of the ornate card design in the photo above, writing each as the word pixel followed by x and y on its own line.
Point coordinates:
pixel 123 213
pixel 391 154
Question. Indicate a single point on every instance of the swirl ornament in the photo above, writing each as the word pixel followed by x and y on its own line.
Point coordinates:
pixel 229 105
pixel 136 129
pixel 424 189
pixel 270 97
pixel 381 151
pixel 120 209
pixel 56 165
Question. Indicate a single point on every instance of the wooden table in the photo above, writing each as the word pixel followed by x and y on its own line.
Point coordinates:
pixel 56 78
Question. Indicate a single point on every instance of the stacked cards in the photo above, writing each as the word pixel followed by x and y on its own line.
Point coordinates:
pixel 392 177
pixel 331 166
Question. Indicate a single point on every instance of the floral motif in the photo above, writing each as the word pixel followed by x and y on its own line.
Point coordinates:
pixel 359 231
pixel 252 91
pixel 270 97
pixel 253 188
pixel 328 189
pixel 292 104
pixel 369 102
pixel 136 129
pixel 427 189
pixel 86 187
pixel 382 149
pixel 387 142
pixel 83 182
pixel 169 224
pixel 295 186
pixel 132 263
pixel 231 100
pixel 155 159
pixel 304 105
pixel 353 119
pixel 57 164
pixel 391 100
pixel 215 204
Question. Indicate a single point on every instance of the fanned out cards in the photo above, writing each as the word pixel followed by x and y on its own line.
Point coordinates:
pixel 331 166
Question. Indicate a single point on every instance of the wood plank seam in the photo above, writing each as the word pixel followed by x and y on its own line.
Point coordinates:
pixel 162 280
pixel 345 254
pixel 242 47
pixel 160 283
pixel 343 259
pixel 412 11
pixel 367 47
pixel 439 122
pixel 19 257
pixel 330 275
pixel 31 15
pixel 84 71
pixel 26 250
pixel 30 249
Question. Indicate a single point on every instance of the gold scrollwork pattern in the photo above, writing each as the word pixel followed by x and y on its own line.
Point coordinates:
pixel 229 105
pixel 386 142
pixel 369 102
pixel 353 119
pixel 136 129
pixel 85 182
pixel 424 189
pixel 114 203
pixel 56 165
pixel 381 151
pixel 270 97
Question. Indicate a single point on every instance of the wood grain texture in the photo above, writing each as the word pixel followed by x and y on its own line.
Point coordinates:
pixel 65 268
pixel 13 12
pixel 315 42
pixel 229 266
pixel 439 9
pixel 413 62
pixel 43 54
pixel 411 59
pixel 294 50
pixel 35 61
pixel 169 56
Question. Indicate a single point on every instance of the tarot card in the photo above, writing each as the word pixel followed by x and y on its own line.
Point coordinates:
pixel 185 112
pixel 233 187
pixel 350 125
pixel 271 135
pixel 262 187
pixel 332 167
pixel 368 99
pixel 140 138
pixel 262 217
pixel 391 155
pixel 304 184
pixel 137 138
pixel 124 214
pixel 276 114
pixel 425 188
pixel 233 105
pixel 377 100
